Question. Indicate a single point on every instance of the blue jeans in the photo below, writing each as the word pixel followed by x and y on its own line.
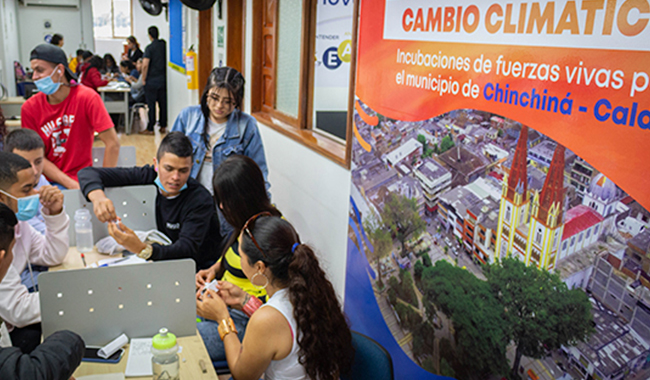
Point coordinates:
pixel 210 335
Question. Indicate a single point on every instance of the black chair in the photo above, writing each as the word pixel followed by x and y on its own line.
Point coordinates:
pixel 371 360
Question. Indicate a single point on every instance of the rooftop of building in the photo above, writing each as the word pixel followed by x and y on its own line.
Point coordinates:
pixel 431 169
pixel 640 241
pixel 613 345
pixel 403 151
pixel 462 160
pixel 460 199
pixel 578 219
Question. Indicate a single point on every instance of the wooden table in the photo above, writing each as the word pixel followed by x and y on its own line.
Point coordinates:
pixel 120 106
pixel 11 106
pixel 193 346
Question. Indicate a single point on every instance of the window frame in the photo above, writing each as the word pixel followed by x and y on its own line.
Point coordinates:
pixel 298 128
pixel 112 22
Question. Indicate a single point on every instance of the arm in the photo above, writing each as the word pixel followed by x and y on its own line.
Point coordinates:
pixel 145 70
pixel 180 122
pixel 255 150
pixel 95 78
pixel 55 174
pixel 98 178
pixel 112 150
pixel 49 249
pixel 56 358
pixel 18 307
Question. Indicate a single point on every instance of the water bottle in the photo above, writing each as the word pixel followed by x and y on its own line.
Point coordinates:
pixel 164 362
pixel 84 230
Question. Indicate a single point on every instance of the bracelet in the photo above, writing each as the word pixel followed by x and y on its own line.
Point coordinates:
pixel 226 327
pixel 245 301
pixel 252 304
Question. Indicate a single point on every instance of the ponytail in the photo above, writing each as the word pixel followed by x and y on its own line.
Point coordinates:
pixel 323 335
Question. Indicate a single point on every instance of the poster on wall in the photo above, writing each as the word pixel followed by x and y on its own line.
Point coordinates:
pixel 499 212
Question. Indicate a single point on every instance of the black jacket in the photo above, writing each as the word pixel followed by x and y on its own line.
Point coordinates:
pixel 54 359
pixel 189 220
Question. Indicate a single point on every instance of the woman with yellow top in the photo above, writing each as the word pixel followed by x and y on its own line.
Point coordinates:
pixel 240 193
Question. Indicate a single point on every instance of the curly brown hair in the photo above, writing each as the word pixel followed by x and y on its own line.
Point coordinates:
pixel 324 336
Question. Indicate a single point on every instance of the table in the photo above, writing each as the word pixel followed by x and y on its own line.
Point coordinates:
pixel 120 106
pixel 12 124
pixel 11 106
pixel 193 346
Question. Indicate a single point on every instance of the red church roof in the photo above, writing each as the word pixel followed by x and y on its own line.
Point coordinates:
pixel 579 219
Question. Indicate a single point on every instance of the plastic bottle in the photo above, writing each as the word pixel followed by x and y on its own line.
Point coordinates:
pixel 84 230
pixel 164 362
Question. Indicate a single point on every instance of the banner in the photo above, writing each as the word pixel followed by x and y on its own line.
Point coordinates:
pixel 502 143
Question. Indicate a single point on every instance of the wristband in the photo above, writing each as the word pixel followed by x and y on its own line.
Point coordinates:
pixel 226 327
pixel 253 304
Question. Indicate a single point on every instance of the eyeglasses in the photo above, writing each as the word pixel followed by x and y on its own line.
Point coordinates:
pixel 227 102
pixel 250 234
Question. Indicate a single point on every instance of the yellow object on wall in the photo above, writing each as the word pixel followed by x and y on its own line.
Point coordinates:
pixel 190 69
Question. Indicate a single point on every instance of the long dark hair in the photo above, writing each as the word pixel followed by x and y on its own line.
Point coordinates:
pixel 3 127
pixel 325 340
pixel 229 79
pixel 96 62
pixel 240 192
pixel 108 57
pixel 134 41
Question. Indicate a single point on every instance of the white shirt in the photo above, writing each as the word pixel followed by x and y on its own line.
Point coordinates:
pixel 18 307
pixel 215 130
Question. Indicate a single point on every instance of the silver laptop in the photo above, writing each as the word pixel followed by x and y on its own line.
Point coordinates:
pixel 101 303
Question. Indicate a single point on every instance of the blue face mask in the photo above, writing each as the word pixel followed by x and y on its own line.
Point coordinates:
pixel 161 187
pixel 27 206
pixel 46 85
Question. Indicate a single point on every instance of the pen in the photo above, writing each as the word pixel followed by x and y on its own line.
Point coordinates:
pixel 114 262
pixel 83 258
pixel 202 365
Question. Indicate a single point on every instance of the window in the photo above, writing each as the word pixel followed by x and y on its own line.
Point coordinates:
pixel 112 18
pixel 303 54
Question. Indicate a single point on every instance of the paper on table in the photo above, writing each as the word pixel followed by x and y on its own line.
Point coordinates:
pixel 109 349
pixel 106 376
pixel 139 361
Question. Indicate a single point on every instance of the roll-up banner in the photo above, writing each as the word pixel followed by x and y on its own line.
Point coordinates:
pixel 499 223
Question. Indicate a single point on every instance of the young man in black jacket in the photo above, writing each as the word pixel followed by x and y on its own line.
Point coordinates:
pixel 54 359
pixel 185 210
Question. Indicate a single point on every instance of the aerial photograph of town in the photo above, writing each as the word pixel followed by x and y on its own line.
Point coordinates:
pixel 494 252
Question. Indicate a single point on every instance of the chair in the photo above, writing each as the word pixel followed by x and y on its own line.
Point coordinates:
pixel 371 360
pixel 134 116
pixel 126 158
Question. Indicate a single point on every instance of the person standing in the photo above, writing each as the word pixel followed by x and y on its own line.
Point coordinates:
pixel 66 116
pixel 134 52
pixel 154 78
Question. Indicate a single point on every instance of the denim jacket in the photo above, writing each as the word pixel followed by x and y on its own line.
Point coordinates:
pixel 241 136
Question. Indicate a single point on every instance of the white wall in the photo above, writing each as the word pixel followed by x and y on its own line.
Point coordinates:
pixel 75 24
pixel 312 191
pixel 9 48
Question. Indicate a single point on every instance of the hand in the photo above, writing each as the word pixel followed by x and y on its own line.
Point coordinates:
pixel 211 306
pixel 204 276
pixel 102 206
pixel 125 237
pixel 232 295
pixel 51 199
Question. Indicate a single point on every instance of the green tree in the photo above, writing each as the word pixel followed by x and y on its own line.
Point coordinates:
pixel 381 241
pixel 417 269
pixel 408 288
pixel 401 217
pixel 481 333
pixel 539 309
pixel 426 260
pixel 446 144
pixel 422 140
pixel 446 369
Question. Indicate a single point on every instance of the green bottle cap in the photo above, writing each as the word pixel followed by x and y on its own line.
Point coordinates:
pixel 164 340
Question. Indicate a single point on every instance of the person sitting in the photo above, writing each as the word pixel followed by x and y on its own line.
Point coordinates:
pixel 184 209
pixel 66 117
pixel 91 77
pixel 129 72
pixel 301 332
pixel 76 62
pixel 59 354
pixel 19 308
pixel 134 53
pixel 240 193
pixel 218 128
pixel 110 65
pixel 28 145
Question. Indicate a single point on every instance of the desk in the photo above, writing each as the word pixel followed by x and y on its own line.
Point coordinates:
pixel 11 106
pixel 120 106
pixel 193 347
pixel 12 124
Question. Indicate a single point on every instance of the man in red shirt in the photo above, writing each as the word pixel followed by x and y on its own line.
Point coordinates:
pixel 66 116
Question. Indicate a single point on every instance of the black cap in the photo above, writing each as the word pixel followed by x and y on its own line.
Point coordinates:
pixel 54 54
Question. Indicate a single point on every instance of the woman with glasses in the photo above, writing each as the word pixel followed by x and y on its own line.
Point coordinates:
pixel 240 194
pixel 301 332
pixel 218 128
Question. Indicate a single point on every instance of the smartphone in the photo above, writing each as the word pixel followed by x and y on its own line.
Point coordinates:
pixel 91 356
